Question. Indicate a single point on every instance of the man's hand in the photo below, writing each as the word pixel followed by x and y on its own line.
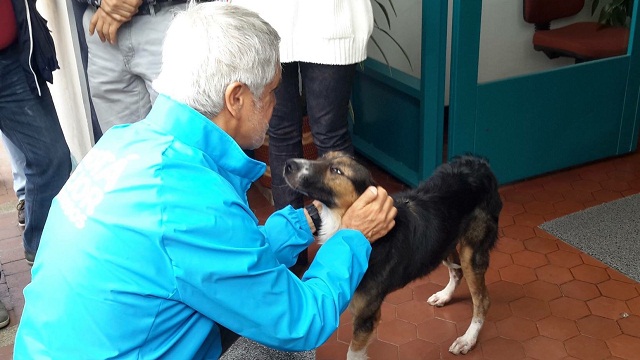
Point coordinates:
pixel 372 214
pixel 106 26
pixel 110 16
pixel 121 10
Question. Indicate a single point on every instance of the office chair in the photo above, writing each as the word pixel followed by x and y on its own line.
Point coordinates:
pixel 582 41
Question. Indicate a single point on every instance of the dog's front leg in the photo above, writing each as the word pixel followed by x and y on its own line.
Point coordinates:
pixel 362 333
pixel 366 316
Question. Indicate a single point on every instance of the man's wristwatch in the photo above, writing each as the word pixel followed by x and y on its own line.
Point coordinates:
pixel 315 216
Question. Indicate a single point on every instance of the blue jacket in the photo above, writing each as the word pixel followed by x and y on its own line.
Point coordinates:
pixel 152 242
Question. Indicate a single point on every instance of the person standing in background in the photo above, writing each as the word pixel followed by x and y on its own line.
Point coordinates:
pixel 19 179
pixel 321 43
pixel 28 117
pixel 124 39
pixel 164 251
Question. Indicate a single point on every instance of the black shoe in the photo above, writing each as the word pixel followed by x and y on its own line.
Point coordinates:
pixel 20 208
pixel 4 316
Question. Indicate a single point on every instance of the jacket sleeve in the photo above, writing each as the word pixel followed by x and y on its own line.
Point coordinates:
pixel 288 233
pixel 227 270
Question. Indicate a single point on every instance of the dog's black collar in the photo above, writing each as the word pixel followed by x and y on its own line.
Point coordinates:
pixel 315 216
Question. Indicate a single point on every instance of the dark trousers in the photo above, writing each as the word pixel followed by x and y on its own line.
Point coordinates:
pixel 327 90
pixel 30 121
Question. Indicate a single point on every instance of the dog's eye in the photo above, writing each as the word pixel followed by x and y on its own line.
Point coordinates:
pixel 335 170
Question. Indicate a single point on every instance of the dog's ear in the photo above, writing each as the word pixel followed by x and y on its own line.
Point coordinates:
pixel 364 181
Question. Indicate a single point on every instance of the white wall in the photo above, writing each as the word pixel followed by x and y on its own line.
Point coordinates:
pixel 69 86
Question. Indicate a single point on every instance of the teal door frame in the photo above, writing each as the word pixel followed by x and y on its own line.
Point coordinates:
pixel 534 124
pixel 399 119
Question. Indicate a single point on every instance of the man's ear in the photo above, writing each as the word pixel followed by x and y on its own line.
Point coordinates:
pixel 234 97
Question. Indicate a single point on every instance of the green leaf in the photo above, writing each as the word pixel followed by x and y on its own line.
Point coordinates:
pixel 399 47
pixel 605 15
pixel 620 17
pixel 393 8
pixel 384 11
pixel 614 13
pixel 373 40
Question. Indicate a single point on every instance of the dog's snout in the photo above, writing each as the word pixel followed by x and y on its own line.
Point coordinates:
pixel 295 171
pixel 291 166
pixel 296 166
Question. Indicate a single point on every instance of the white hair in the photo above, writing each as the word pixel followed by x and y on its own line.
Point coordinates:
pixel 211 45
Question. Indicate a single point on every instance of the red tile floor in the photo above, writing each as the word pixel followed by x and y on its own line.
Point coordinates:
pixel 549 300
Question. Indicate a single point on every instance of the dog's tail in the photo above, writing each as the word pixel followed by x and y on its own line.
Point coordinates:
pixel 473 174
pixel 477 170
pixel 479 174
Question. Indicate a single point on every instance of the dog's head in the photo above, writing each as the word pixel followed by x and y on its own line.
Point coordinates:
pixel 336 180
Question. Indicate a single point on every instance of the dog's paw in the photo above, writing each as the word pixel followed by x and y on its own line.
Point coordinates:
pixel 357 355
pixel 439 299
pixel 461 346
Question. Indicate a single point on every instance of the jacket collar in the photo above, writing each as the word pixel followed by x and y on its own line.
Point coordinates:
pixel 194 129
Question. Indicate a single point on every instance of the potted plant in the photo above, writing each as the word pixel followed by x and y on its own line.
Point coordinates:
pixel 614 13
pixel 377 28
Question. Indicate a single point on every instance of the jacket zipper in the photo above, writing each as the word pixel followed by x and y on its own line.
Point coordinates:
pixel 26 4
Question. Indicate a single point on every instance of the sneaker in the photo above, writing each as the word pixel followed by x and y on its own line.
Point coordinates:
pixel 29 257
pixel 4 316
pixel 20 208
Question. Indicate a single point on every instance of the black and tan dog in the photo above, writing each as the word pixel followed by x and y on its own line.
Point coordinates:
pixel 452 217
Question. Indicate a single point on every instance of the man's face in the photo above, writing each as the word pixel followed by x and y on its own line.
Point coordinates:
pixel 258 119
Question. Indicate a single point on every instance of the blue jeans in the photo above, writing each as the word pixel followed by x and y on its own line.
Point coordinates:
pixel 31 123
pixel 17 167
pixel 327 90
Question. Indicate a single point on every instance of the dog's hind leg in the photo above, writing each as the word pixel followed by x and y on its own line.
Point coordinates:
pixel 455 274
pixel 365 319
pixel 474 266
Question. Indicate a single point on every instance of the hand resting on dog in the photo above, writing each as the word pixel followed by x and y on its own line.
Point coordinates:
pixel 372 214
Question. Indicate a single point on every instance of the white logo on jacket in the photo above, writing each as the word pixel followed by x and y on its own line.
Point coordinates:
pixel 96 174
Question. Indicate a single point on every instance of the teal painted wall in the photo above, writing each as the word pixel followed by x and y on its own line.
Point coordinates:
pixel 539 123
pixel 534 124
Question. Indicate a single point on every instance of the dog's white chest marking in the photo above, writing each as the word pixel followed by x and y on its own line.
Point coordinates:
pixel 330 224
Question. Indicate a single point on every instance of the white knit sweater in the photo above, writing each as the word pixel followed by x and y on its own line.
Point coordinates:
pixel 331 32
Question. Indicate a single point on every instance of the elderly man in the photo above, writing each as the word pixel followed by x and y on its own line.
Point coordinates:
pixel 151 249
